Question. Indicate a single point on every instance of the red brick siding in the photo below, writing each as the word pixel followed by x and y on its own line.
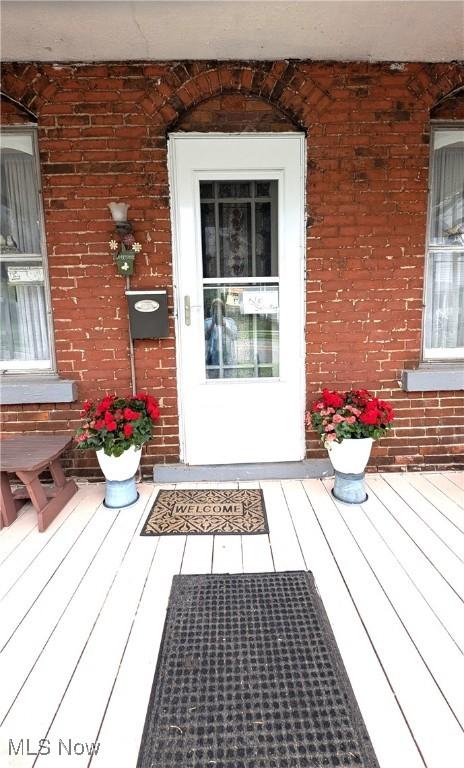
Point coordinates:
pixel 12 114
pixel 102 136
pixel 451 108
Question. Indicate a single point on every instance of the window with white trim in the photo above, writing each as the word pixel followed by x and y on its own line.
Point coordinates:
pixel 25 317
pixel 444 289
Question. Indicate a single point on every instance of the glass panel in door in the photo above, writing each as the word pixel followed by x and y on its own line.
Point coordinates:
pixel 240 279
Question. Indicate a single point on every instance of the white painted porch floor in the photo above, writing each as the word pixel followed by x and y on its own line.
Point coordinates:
pixel 82 608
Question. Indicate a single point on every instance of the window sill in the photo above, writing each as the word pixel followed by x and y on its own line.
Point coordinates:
pixel 434 377
pixel 16 390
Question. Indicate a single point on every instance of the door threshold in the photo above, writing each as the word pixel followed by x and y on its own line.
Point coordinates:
pixel 284 470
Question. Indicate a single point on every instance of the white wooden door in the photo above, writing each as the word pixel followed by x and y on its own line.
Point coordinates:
pixel 238 233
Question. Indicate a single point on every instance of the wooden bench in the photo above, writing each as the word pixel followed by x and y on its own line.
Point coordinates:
pixel 27 456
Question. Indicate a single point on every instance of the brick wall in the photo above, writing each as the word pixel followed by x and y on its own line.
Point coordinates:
pixel 102 136
pixel 450 108
pixel 12 114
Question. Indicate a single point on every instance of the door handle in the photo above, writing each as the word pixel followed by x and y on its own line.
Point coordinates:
pixel 187 312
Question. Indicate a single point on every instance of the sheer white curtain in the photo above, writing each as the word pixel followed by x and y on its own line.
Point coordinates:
pixel 446 268
pixel 24 333
pixel 448 192
pixel 32 313
pixel 447 300
pixel 20 215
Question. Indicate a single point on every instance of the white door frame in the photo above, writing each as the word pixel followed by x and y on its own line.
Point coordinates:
pixel 179 292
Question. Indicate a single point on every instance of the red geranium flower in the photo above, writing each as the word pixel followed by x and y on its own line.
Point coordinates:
pixel 106 403
pixel 131 415
pixel 362 393
pixel 387 410
pixel 110 423
pixel 115 421
pixel 153 411
pixel 370 416
pixel 333 399
pixel 360 397
pixel 349 415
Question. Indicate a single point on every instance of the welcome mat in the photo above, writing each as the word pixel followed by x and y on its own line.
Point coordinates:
pixel 249 676
pixel 196 511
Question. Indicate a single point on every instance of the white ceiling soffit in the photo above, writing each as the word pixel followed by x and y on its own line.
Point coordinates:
pixel 108 30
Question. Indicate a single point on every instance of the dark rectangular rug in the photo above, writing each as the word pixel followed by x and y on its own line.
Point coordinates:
pixel 207 510
pixel 249 676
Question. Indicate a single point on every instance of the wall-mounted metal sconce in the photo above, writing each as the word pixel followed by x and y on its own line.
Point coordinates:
pixel 125 248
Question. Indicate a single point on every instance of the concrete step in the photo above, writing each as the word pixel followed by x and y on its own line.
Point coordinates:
pixel 286 470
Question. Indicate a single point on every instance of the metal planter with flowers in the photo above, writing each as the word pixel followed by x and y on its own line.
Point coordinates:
pixel 348 423
pixel 116 428
pixel 124 252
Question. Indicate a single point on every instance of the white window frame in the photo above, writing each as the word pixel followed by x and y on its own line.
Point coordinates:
pixel 435 354
pixel 28 367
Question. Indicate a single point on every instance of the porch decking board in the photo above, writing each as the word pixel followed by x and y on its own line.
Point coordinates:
pixel 403 665
pixel 389 731
pixel 257 554
pixel 431 515
pixel 227 554
pixel 86 636
pixel 29 584
pixel 457 478
pixel 103 651
pixel 447 606
pixel 32 547
pixel 119 728
pixel 12 536
pixel 286 550
pixel 438 553
pixel 256 549
pixel 440 493
pixel 197 554
pixel 447 484
pixel 49 664
pixel 441 656
pixel 19 657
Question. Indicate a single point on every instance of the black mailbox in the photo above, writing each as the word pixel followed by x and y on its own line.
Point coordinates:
pixel 148 314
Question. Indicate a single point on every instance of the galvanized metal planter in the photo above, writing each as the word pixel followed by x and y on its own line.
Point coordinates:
pixel 119 471
pixel 349 459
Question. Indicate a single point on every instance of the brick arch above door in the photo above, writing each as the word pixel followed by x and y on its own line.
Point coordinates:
pixel 236 112
pixel 281 84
